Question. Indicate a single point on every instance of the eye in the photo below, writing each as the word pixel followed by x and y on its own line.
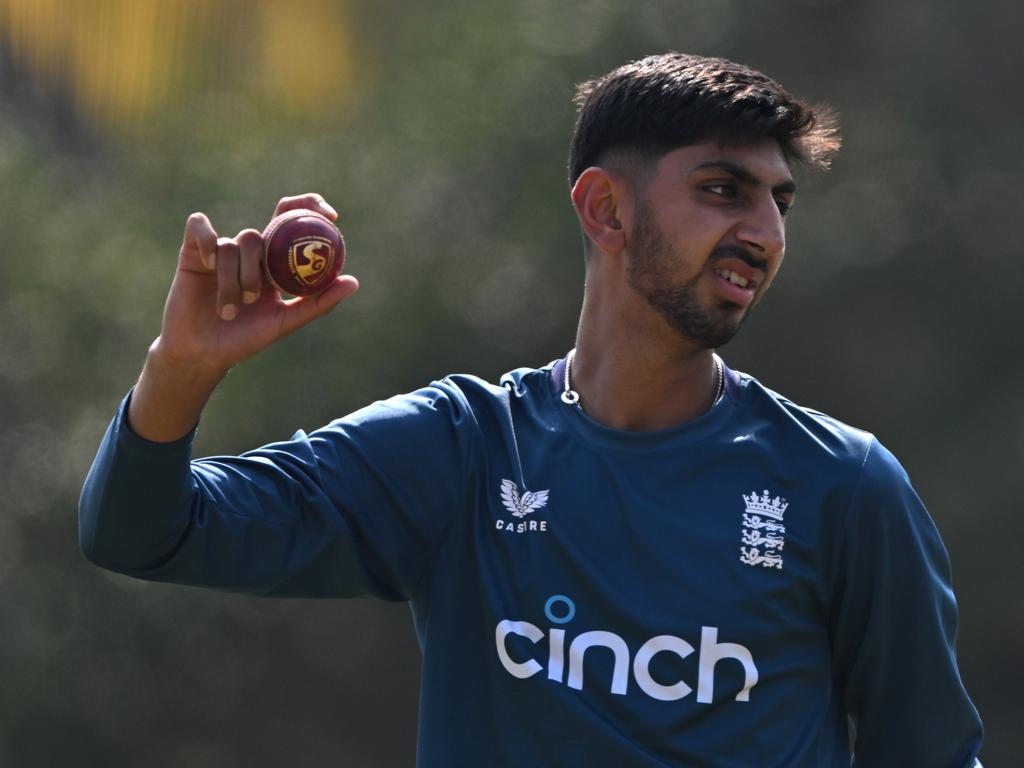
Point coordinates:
pixel 721 189
pixel 784 205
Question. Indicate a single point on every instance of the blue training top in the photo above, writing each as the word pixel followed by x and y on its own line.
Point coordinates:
pixel 725 593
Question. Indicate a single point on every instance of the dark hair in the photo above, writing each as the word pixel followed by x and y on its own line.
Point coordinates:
pixel 653 106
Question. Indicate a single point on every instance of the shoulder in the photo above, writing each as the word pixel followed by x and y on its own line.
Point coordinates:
pixel 461 398
pixel 868 507
pixel 871 480
pixel 518 387
pixel 804 434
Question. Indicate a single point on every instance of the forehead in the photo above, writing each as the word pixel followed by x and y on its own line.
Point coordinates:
pixel 763 160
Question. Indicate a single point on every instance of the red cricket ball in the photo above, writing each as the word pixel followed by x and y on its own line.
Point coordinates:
pixel 302 252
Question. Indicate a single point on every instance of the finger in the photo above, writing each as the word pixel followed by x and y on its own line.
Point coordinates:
pixel 250 272
pixel 300 311
pixel 200 238
pixel 311 200
pixel 228 289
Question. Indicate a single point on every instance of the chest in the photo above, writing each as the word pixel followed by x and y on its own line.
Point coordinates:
pixel 659 544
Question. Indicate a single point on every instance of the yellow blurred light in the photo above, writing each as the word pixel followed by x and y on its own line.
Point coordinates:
pixel 306 54
pixel 124 61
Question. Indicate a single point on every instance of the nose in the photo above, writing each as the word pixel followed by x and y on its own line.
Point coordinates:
pixel 763 228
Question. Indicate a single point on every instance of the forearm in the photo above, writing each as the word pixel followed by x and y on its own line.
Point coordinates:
pixel 169 397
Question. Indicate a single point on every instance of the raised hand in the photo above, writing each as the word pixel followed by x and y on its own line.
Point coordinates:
pixel 220 311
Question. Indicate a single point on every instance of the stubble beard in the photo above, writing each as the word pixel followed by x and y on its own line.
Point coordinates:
pixel 649 273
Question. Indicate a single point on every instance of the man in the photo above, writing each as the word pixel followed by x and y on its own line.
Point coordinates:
pixel 634 556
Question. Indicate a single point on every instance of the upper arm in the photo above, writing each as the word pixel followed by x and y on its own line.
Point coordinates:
pixel 894 624
pixel 355 508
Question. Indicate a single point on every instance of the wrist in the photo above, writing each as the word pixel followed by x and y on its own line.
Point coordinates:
pixel 191 374
pixel 170 396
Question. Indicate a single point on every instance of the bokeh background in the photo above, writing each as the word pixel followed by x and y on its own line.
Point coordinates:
pixel 440 130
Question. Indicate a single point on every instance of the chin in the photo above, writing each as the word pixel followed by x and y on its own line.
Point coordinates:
pixel 711 329
pixel 705 321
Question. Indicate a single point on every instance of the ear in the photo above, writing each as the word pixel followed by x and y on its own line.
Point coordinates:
pixel 598 197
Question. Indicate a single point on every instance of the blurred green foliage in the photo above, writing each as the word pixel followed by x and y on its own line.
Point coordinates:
pixel 440 132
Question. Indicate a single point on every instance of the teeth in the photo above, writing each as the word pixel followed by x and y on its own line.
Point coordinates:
pixel 737 280
pixel 732 277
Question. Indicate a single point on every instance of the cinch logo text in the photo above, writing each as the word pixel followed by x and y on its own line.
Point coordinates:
pixel 560 610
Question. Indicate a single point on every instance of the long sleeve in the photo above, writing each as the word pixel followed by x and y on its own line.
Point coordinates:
pixel 894 624
pixel 355 508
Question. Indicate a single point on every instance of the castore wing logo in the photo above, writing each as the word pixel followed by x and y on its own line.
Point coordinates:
pixel 520 507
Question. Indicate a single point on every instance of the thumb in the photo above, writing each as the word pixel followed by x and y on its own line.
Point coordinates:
pixel 300 311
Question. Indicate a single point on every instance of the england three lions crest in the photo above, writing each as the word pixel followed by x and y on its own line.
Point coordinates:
pixel 764 535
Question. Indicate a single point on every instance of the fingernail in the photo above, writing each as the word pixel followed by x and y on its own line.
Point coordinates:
pixel 228 312
pixel 210 260
pixel 248 297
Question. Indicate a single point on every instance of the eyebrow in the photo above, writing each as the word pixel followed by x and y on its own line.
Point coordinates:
pixel 744 176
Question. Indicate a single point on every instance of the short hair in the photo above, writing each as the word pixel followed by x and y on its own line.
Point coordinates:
pixel 649 107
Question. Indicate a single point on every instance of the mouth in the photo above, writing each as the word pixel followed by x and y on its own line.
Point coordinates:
pixel 732 277
pixel 736 282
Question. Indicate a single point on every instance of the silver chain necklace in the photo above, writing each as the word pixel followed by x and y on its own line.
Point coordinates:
pixel 571 397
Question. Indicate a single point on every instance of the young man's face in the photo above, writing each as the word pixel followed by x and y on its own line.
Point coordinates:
pixel 708 235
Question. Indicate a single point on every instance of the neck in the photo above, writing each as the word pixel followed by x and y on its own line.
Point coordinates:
pixel 638 374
